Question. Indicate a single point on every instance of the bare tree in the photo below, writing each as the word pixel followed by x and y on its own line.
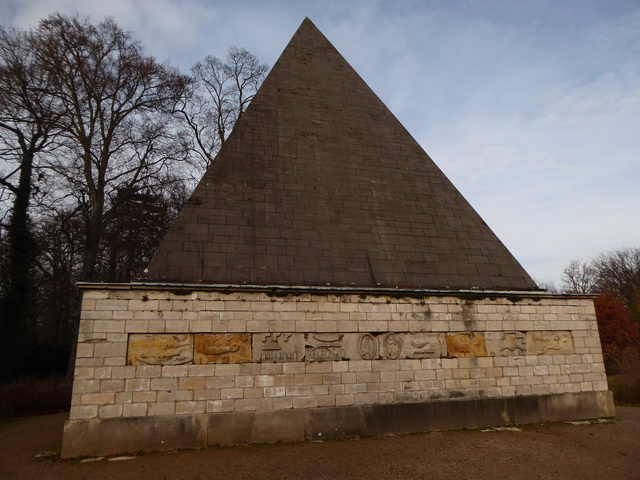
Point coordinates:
pixel 111 114
pixel 28 126
pixel 579 276
pixel 59 265
pixel 618 271
pixel 139 223
pixel 220 93
pixel 117 119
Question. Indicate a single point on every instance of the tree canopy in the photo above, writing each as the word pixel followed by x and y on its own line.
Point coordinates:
pixel 98 145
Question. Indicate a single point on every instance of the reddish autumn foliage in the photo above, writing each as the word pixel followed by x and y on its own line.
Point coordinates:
pixel 617 330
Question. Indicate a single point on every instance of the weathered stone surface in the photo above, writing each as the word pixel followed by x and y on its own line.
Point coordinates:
pixel 116 435
pixel 576 406
pixel 467 344
pixel 160 349
pixel 506 344
pixel 278 347
pixel 112 436
pixel 222 348
pixel 549 343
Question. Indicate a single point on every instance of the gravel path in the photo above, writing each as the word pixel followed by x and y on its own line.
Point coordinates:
pixel 559 451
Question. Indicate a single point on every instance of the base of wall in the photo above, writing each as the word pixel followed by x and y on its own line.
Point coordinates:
pixel 117 435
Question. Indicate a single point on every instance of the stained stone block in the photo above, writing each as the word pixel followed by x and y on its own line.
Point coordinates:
pixel 278 347
pixel 222 348
pixel 160 349
pixel 466 344
pixel 506 344
pixel 549 343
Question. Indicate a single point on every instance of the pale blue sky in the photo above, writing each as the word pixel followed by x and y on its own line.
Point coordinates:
pixel 531 108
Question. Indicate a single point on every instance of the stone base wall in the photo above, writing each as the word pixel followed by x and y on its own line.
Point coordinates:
pixel 181 354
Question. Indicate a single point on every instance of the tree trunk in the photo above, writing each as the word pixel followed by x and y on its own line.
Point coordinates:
pixel 16 304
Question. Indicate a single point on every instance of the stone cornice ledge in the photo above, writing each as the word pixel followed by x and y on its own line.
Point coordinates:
pixel 470 294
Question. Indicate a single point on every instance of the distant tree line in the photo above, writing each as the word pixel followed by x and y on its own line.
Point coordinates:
pixel 100 145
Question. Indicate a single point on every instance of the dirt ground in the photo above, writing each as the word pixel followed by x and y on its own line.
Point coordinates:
pixel 558 451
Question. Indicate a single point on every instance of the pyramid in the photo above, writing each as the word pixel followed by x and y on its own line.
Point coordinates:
pixel 319 184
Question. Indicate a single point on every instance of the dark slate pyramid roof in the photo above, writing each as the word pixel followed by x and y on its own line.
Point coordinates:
pixel 319 184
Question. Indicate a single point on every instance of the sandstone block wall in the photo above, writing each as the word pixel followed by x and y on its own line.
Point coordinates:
pixel 145 352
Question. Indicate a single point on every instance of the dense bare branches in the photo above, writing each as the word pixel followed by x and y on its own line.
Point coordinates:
pixel 28 114
pixel 28 126
pixel 116 103
pixel 618 271
pixel 97 141
pixel 219 95
pixel 579 276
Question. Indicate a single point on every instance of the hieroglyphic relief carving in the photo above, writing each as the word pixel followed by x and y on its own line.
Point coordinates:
pixel 160 349
pixel 278 347
pixel 324 347
pixel 390 346
pixel 466 344
pixel 422 345
pixel 506 344
pixel 177 349
pixel 549 343
pixel 368 347
pixel 222 348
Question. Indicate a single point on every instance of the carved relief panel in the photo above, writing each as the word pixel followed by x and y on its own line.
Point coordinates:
pixel 178 349
pixel 324 347
pixel 391 346
pixel 278 347
pixel 466 344
pixel 368 347
pixel 549 343
pixel 160 349
pixel 222 348
pixel 506 344
pixel 423 345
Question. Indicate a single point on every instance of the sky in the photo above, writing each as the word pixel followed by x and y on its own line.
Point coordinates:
pixel 530 107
